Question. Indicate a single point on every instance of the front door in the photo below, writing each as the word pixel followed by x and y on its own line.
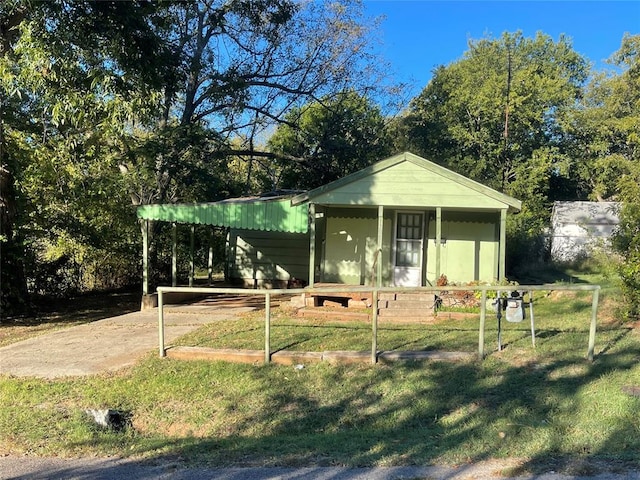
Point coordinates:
pixel 409 236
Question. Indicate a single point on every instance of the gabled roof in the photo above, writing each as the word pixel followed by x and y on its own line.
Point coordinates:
pixel 444 176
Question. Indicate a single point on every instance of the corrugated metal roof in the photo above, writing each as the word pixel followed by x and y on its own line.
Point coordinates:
pixel 255 213
pixel 586 213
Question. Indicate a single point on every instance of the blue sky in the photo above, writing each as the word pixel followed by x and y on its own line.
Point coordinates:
pixel 418 35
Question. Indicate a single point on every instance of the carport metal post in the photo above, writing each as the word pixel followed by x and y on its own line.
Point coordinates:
pixel 174 254
pixel 210 259
pixel 145 257
pixel 192 268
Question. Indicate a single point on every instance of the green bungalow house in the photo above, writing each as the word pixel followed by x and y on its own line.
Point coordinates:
pixel 403 221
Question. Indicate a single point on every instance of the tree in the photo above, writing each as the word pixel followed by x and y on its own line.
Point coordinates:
pixel 333 137
pixel 615 157
pixel 64 99
pixel 13 286
pixel 240 66
pixel 488 113
pixel 108 105
pixel 495 116
pixel 604 127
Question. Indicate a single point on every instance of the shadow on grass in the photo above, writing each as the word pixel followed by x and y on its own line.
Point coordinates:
pixel 420 413
pixel 48 314
pixel 538 406
pixel 78 309
pixel 547 274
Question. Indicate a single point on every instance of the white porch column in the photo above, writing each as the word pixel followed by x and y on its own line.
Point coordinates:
pixel 312 243
pixel 145 257
pixel 502 246
pixel 174 254
pixel 379 252
pixel 192 269
pixel 438 241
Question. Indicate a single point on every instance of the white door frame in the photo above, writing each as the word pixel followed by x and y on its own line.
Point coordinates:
pixel 403 275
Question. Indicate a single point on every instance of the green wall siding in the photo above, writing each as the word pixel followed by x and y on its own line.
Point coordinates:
pixel 347 245
pixel 257 257
pixel 471 249
pixel 350 246
pixel 470 253
pixel 408 185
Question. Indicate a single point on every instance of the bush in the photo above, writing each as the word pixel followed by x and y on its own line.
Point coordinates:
pixel 626 241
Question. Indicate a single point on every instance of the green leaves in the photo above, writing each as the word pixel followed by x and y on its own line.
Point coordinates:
pixel 331 138
pixel 488 113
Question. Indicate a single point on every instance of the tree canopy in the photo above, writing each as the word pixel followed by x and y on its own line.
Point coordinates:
pixel 106 105
pixel 491 114
pixel 330 138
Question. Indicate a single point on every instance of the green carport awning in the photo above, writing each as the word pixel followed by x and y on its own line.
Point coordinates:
pixel 275 215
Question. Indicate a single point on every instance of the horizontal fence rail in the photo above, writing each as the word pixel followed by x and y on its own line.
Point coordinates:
pixel 375 291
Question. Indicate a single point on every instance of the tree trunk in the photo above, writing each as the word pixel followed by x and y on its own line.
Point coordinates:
pixel 13 284
pixel 13 294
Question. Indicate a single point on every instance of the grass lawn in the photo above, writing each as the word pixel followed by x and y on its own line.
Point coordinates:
pixel 538 405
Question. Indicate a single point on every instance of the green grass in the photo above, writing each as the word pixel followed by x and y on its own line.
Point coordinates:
pixel 533 404
pixel 321 334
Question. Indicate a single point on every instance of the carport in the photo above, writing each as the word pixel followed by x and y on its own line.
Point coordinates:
pixel 271 212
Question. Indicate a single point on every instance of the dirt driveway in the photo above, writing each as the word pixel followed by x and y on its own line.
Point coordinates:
pixel 113 343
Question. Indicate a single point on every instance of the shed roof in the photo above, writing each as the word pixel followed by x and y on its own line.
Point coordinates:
pixel 269 213
pixel 409 180
pixel 586 213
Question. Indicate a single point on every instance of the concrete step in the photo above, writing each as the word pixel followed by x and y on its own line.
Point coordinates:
pixel 416 297
pixel 406 296
pixel 408 313
pixel 411 304
pixel 387 296
pixel 428 319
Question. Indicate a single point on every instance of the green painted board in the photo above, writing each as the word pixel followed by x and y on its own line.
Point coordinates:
pixel 266 215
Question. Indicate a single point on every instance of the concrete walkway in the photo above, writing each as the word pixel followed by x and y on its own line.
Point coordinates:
pixel 111 344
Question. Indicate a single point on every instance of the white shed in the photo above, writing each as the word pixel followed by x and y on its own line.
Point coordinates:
pixel 579 227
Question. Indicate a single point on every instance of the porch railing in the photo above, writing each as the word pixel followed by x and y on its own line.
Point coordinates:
pixel 375 291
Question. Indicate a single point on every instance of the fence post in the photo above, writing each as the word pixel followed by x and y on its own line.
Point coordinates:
pixel 483 316
pixel 374 327
pixel 533 325
pixel 161 325
pixel 267 327
pixel 592 329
